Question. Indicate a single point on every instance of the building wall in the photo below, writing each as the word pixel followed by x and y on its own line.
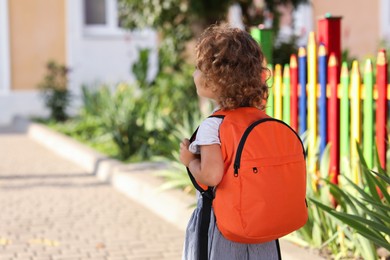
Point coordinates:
pixel 360 25
pixel 103 55
pixel 37 35
pixel 33 32
pixel 384 13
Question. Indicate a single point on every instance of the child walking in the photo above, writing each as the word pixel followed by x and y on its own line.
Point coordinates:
pixel 230 71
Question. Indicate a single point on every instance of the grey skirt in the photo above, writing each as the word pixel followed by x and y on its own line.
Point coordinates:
pixel 222 249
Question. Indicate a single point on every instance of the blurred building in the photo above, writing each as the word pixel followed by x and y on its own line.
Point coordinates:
pixel 82 34
pixel 365 25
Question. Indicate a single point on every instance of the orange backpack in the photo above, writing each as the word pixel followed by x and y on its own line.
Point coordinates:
pixel 262 194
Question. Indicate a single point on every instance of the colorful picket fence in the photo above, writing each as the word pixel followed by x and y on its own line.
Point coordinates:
pixel 333 105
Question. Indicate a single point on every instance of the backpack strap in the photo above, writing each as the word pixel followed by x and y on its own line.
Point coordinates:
pixel 278 249
pixel 203 232
pixel 194 182
pixel 193 136
pixel 205 213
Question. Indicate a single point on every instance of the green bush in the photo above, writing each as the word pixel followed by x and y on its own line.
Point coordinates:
pixel 364 208
pixel 136 122
pixel 124 118
pixel 320 231
pixel 177 177
pixel 282 52
pixel 54 90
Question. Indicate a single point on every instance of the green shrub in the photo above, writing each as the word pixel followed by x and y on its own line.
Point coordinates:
pixel 320 231
pixel 364 208
pixel 140 68
pixel 177 177
pixel 54 90
pixel 282 52
pixel 122 118
pixel 94 100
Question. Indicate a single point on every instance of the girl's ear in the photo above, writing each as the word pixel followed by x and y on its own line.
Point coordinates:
pixel 214 87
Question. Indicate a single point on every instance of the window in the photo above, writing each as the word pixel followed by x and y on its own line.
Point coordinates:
pixel 95 12
pixel 100 17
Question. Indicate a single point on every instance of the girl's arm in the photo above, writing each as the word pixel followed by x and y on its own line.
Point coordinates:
pixel 209 169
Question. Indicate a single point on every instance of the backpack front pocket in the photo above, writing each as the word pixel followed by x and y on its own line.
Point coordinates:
pixel 266 201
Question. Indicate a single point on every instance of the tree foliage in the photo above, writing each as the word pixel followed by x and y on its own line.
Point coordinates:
pixel 178 21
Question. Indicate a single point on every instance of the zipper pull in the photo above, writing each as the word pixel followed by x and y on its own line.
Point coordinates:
pixel 255 170
pixel 235 171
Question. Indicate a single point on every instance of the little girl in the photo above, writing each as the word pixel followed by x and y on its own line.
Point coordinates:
pixel 229 71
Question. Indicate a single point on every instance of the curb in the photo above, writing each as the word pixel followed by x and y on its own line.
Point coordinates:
pixel 138 181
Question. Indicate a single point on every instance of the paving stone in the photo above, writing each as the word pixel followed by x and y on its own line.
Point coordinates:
pixel 4 255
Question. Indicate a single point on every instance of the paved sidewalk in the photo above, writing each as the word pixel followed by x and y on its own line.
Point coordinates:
pixel 52 209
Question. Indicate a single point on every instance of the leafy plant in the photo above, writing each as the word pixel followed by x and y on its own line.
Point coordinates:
pixel 122 118
pixel 140 68
pixel 94 100
pixel 283 51
pixel 320 231
pixel 346 56
pixel 363 208
pixel 323 231
pixel 177 177
pixel 171 20
pixel 54 90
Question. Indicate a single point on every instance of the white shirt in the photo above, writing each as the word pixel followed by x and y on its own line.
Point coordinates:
pixel 208 133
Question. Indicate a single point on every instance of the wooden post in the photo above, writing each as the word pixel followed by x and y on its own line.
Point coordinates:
pixel 270 101
pixel 266 40
pixel 368 127
pixel 286 94
pixel 302 67
pixel 344 115
pixel 329 34
pixel 294 92
pixel 278 92
pixel 322 102
pixel 312 104
pixel 381 106
pixel 356 120
pixel 334 120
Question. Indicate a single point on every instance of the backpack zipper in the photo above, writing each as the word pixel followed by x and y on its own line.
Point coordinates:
pixel 237 160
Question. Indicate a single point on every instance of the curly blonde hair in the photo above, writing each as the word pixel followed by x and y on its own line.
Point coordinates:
pixel 233 64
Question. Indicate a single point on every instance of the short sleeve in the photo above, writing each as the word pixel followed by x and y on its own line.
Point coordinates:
pixel 208 133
